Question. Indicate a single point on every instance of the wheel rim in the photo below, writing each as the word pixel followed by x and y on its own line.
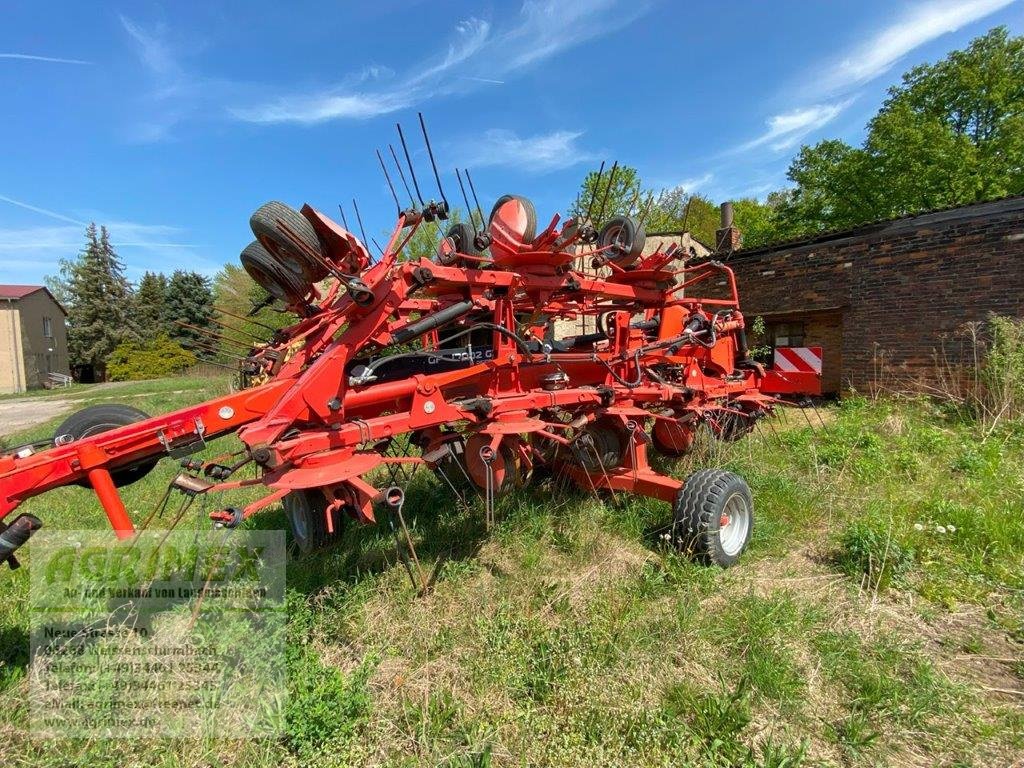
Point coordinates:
pixel 734 524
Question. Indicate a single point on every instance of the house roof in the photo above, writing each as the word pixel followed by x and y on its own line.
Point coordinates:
pixel 1003 205
pixel 21 291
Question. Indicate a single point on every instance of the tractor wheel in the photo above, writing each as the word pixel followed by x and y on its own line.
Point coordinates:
pixel 277 280
pixel 266 226
pixel 671 438
pixel 306 510
pixel 713 516
pixel 102 418
pixel 462 237
pixel 624 237
pixel 518 222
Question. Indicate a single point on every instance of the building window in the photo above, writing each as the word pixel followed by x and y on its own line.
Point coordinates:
pixel 786 334
pixel 48 327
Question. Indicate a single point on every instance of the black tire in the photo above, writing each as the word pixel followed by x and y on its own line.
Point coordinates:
pixel 265 226
pixel 602 446
pixel 307 519
pixel 463 237
pixel 103 418
pixel 624 237
pixel 531 216
pixel 277 280
pixel 708 504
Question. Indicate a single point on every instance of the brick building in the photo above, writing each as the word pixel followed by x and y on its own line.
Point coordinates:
pixel 883 298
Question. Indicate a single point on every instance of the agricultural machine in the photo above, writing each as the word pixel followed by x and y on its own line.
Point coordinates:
pixel 460 363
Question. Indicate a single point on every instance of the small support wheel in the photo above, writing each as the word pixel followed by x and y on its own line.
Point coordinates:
pixel 713 516
pixel 306 510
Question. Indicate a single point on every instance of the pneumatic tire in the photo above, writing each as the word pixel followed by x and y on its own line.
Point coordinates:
pixel 713 517
pixel 306 510
pixel 275 278
pixel 103 418
pixel 266 226
pixel 462 237
pixel 624 237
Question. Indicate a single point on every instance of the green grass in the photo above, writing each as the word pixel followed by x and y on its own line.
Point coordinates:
pixel 852 633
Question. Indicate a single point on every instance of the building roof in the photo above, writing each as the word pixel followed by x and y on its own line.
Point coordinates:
pixel 1011 204
pixel 21 291
pixel 1002 205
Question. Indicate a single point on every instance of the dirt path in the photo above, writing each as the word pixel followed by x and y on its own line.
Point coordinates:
pixel 17 415
pixel 24 412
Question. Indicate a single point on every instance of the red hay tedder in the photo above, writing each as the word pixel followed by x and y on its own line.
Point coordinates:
pixel 457 360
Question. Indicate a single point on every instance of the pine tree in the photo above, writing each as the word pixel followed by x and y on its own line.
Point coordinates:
pixel 189 300
pixel 149 306
pixel 99 297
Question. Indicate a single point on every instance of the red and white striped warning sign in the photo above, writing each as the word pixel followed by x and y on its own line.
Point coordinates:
pixel 798 359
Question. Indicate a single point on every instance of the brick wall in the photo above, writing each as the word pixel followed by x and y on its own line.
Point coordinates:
pixel 894 291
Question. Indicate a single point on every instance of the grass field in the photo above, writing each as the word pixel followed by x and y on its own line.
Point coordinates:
pixel 877 619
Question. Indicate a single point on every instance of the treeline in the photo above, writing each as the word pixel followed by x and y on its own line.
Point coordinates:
pixel 161 326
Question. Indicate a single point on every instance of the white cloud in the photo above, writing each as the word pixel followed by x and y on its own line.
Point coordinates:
pixel 696 182
pixel 920 24
pixel 176 94
pixel 317 108
pixel 50 59
pixel 153 50
pixel 42 211
pixel 786 129
pixel 36 249
pixel 543 152
pixel 864 61
pixel 478 54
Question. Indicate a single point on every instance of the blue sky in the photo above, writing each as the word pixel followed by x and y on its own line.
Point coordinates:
pixel 171 122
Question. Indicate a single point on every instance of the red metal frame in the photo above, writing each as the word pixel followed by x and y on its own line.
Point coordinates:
pixel 309 426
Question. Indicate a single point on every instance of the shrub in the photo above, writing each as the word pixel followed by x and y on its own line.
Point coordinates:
pixel 1002 375
pixel 160 356
pixel 990 386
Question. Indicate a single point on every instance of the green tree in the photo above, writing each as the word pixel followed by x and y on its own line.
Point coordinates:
pixel 951 133
pixel 98 301
pixel 234 295
pixel 606 196
pixel 677 210
pixel 424 242
pixel 757 221
pixel 189 301
pixel 149 305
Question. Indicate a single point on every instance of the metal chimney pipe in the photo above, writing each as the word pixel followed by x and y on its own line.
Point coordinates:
pixel 727 217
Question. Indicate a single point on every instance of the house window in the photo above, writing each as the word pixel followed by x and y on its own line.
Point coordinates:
pixel 48 327
pixel 787 334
